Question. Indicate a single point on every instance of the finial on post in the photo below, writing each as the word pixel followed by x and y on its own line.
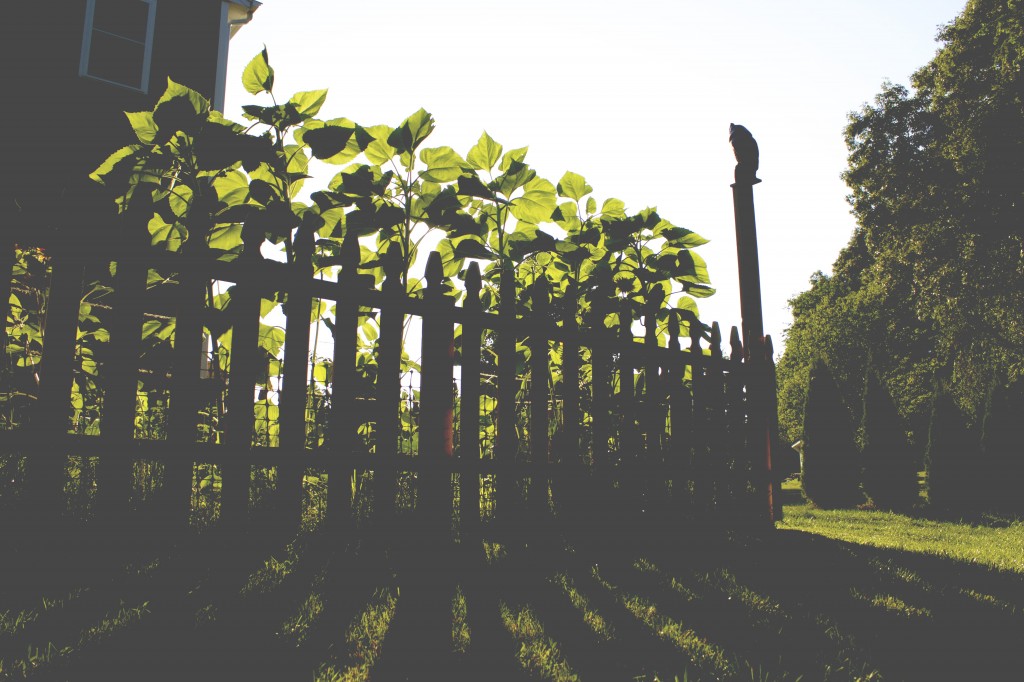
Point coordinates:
pixel 744 146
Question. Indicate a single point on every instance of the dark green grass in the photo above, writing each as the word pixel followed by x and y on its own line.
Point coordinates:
pixel 839 595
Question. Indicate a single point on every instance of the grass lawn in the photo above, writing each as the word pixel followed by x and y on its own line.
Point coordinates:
pixel 836 595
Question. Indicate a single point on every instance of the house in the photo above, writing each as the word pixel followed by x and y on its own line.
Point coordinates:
pixel 72 67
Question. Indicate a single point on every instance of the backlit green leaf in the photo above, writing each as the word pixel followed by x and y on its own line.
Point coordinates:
pixel 484 154
pixel 573 186
pixel 258 76
pixel 308 103
pixel 143 124
pixel 537 202
pixel 443 164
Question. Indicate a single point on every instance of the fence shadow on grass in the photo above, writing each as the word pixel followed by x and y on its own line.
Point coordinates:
pixel 713 605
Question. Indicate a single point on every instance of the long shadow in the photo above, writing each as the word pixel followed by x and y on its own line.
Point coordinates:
pixel 612 606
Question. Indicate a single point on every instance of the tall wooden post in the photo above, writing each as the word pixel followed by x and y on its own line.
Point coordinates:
pixel 747 157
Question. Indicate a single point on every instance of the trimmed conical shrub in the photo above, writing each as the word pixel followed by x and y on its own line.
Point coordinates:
pixel 830 473
pixel 1001 478
pixel 890 468
pixel 950 455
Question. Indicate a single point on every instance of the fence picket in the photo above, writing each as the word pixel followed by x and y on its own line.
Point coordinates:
pixel 114 471
pixel 469 410
pixel 389 387
pixel 342 434
pixel 436 413
pixel 295 385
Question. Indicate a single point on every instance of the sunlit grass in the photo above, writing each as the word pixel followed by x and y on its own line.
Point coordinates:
pixel 891 604
pixel 705 655
pixel 538 653
pixel 461 633
pixel 297 625
pixel 998 548
pixel 42 656
pixel 365 638
pixel 593 620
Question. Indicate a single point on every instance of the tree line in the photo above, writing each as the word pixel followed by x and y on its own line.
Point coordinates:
pixel 925 305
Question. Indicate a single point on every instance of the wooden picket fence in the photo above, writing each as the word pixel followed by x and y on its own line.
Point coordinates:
pixel 635 433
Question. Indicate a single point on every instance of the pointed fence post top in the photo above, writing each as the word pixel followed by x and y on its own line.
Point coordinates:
pixel 540 292
pixel 349 253
pixel 716 340
pixel 696 332
pixel 673 324
pixel 473 284
pixel 434 272
pixel 391 261
pixel 735 345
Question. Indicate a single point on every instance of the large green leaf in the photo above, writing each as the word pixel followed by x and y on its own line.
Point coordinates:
pixel 144 126
pixel 484 154
pixel 573 186
pixel 379 151
pixel 680 236
pixel 226 237
pixel 537 202
pixel 471 246
pixel 117 166
pixel 222 145
pixel 472 186
pixel 232 188
pixel 180 200
pixel 443 164
pixel 327 142
pixel 408 136
pixel 258 76
pixel 612 208
pixel 692 268
pixel 513 156
pixel 307 104
pixel 517 175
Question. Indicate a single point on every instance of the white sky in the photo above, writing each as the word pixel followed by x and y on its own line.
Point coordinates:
pixel 636 96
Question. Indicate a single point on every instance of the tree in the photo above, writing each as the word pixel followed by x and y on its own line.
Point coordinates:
pixel 948 459
pixel 1002 444
pixel 830 473
pixel 933 276
pixel 890 468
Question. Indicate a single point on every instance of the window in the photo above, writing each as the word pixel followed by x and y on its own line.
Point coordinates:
pixel 118 42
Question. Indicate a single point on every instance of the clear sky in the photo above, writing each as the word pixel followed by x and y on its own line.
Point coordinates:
pixel 637 96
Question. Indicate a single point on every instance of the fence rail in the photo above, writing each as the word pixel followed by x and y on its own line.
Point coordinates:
pixel 631 428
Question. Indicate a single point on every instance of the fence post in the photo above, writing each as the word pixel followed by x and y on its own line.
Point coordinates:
pixel 652 414
pixel 681 421
pixel 570 472
pixel 772 393
pixel 436 413
pixel 469 410
pixel 185 393
pixel 295 386
pixel 602 345
pixel 750 281
pixel 49 424
pixel 629 436
pixel 342 434
pixel 506 445
pixel 389 388
pixel 539 452
pixel 114 470
pixel 701 484
pixel 7 258
pixel 239 419
pixel 716 425
pixel 739 461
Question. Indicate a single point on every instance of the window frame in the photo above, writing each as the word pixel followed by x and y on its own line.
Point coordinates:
pixel 147 49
